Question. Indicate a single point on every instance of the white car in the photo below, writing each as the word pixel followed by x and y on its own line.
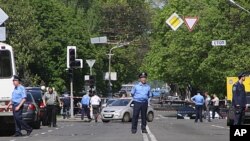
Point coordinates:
pixel 122 109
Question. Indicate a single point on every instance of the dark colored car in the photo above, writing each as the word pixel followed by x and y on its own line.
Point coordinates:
pixel 37 94
pixel 186 111
pixel 31 112
pixel 230 113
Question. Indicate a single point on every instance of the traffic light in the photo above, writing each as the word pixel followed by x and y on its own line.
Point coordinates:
pixel 71 56
pixel 91 81
pixel 72 62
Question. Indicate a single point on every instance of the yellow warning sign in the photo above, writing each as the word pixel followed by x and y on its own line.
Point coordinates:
pixel 174 21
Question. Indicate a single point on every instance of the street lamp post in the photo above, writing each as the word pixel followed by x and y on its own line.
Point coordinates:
pixel 110 54
pixel 233 2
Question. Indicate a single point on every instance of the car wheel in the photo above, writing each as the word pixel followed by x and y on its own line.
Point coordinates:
pixel 150 117
pixel 126 117
pixel 37 124
pixel 105 121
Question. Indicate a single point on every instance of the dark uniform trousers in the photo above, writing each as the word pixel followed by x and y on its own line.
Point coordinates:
pixel 239 115
pixel 19 123
pixel 139 107
pixel 51 112
pixel 85 110
pixel 198 109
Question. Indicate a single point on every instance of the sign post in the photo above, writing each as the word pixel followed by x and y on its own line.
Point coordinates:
pixel 219 43
pixel 90 62
pixel 174 21
pixel 3 18
pixel 190 22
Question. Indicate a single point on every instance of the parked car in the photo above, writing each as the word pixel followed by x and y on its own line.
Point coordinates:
pixel 186 111
pixel 230 113
pixel 31 112
pixel 122 109
pixel 37 94
pixel 107 103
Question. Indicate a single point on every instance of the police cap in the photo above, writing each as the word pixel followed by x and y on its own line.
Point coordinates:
pixel 143 75
pixel 242 74
pixel 16 78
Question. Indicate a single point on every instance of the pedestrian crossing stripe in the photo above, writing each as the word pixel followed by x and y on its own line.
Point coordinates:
pixel 174 21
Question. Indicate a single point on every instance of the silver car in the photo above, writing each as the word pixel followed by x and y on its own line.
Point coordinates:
pixel 122 109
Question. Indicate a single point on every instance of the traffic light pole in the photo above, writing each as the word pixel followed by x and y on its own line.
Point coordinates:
pixel 71 94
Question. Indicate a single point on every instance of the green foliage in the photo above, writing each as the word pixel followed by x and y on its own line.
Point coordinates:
pixel 185 57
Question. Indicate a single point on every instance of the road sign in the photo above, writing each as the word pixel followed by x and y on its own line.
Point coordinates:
pixel 219 43
pixel 113 76
pixel 3 16
pixel 90 62
pixel 190 22
pixel 2 33
pixel 174 21
pixel 99 40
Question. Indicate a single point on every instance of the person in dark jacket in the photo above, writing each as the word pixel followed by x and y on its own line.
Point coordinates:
pixel 239 101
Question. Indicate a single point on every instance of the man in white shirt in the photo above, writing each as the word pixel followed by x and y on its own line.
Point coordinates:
pixel 95 102
pixel 216 107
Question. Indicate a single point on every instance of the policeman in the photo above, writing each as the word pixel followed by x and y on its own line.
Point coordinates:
pixel 198 99
pixel 239 101
pixel 140 93
pixel 18 98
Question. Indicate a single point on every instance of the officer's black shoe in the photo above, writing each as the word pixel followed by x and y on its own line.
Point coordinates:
pixel 29 132
pixel 144 131
pixel 54 125
pixel 133 131
pixel 17 135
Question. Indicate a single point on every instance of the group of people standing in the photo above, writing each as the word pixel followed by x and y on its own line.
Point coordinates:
pixel 90 100
pixel 211 104
pixel 238 102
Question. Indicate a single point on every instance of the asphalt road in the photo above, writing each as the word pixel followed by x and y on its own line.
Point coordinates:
pixel 163 128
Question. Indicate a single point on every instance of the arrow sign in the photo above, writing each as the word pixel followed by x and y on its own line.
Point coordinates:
pixel 90 62
pixel 190 22
pixel 3 16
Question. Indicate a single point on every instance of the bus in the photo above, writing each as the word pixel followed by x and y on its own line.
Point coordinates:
pixel 7 70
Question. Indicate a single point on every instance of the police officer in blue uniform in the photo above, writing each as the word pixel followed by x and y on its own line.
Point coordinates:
pixel 140 93
pixel 18 98
pixel 239 101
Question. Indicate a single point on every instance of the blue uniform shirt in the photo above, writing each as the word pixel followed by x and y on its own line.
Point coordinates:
pixel 85 100
pixel 239 95
pixel 18 94
pixel 141 92
pixel 198 99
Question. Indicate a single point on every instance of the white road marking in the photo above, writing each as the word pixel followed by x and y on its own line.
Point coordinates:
pixel 35 135
pixel 217 126
pixel 13 140
pixel 151 135
pixel 50 130
pixel 145 137
pixel 57 128
pixel 43 133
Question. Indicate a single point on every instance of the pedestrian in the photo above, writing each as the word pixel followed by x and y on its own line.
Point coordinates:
pixel 50 100
pixel 18 99
pixel 239 101
pixel 140 93
pixel 85 102
pixel 216 106
pixel 207 106
pixel 198 99
pixel 95 101
pixel 66 106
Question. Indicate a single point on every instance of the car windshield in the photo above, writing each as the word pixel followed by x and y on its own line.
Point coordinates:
pixel 37 95
pixel 29 98
pixel 110 101
pixel 121 102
